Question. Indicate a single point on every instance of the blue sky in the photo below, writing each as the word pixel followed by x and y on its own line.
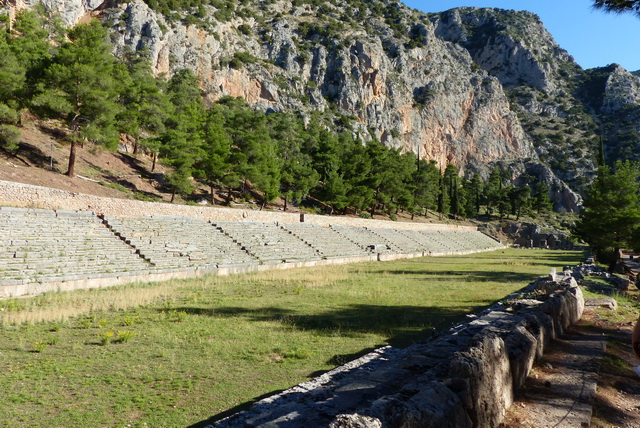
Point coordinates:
pixel 594 38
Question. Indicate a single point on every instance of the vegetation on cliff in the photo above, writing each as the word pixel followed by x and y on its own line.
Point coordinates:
pixel 227 144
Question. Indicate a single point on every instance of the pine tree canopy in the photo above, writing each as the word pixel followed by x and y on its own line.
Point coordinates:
pixel 618 6
pixel 610 219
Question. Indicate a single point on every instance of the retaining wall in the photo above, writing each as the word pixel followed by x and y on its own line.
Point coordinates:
pixel 29 196
pixel 463 378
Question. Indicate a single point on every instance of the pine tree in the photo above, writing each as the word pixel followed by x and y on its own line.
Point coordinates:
pixel 473 191
pixel 426 178
pixel 31 44
pixel 215 165
pixel 493 190
pixel 618 6
pixel 256 159
pixel 355 166
pixel 297 174
pixel 443 196
pixel 12 76
pixel 541 201
pixel 144 107
pixel 182 141
pixel 452 189
pixel 610 218
pixel 601 157
pixel 79 88
pixel 519 199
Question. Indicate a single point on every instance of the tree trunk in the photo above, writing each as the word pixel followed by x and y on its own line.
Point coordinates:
pixel 135 146
pixel 173 196
pixel 72 159
pixel 614 260
pixel 264 204
pixel 213 199
pixel 155 158
pixel 229 196
pixel 285 204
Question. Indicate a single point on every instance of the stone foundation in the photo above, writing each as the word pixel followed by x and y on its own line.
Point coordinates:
pixel 464 377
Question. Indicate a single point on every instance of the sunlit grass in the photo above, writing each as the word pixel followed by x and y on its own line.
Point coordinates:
pixel 195 348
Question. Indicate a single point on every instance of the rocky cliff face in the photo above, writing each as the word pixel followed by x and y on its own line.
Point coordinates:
pixel 429 99
pixel 620 114
pixel 540 78
pixel 468 86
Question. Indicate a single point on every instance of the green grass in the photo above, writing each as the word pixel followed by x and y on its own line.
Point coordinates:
pixel 196 348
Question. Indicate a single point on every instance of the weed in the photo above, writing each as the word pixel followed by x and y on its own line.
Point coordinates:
pixel 297 352
pixel 174 315
pixel 129 320
pixel 105 338
pixel 40 346
pixel 123 336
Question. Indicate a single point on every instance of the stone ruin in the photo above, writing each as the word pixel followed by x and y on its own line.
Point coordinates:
pixel 463 377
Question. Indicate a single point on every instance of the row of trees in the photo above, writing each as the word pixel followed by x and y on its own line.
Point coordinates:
pixel 226 145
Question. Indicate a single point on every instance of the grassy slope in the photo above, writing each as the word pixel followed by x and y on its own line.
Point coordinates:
pixel 200 347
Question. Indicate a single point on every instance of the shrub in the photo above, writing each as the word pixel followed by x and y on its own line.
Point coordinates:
pixel 245 29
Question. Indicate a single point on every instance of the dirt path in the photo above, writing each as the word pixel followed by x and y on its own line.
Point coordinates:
pixel 556 392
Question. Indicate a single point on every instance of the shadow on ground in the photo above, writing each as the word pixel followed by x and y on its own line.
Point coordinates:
pixel 402 324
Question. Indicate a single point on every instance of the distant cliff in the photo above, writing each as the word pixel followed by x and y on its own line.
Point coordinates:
pixel 467 86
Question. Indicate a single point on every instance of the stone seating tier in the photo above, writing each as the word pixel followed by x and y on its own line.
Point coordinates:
pixel 268 242
pixel 366 239
pixel 403 243
pixel 51 246
pixel 48 246
pixel 171 242
pixel 325 240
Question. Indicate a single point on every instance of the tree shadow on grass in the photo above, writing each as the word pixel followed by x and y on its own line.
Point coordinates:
pixel 402 324
pixel 470 276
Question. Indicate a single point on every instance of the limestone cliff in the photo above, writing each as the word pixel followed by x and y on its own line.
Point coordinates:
pixel 468 86
pixel 429 99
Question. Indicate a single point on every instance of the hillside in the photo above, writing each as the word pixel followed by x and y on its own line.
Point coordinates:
pixel 122 174
pixel 470 87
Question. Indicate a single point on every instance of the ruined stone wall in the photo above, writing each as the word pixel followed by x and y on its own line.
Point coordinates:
pixel 29 196
pixel 464 377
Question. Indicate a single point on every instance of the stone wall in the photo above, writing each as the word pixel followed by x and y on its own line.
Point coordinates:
pixel 464 377
pixel 29 196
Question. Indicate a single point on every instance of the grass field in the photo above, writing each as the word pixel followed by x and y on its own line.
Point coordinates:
pixel 180 352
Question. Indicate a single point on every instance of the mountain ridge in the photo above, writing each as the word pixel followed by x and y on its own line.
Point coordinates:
pixel 466 86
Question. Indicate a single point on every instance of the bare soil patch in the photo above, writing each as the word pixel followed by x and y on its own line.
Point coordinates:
pixel 617 401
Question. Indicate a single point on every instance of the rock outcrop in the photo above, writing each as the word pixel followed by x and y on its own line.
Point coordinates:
pixel 468 86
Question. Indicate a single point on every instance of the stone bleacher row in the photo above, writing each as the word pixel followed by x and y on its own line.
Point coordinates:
pixel 51 246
